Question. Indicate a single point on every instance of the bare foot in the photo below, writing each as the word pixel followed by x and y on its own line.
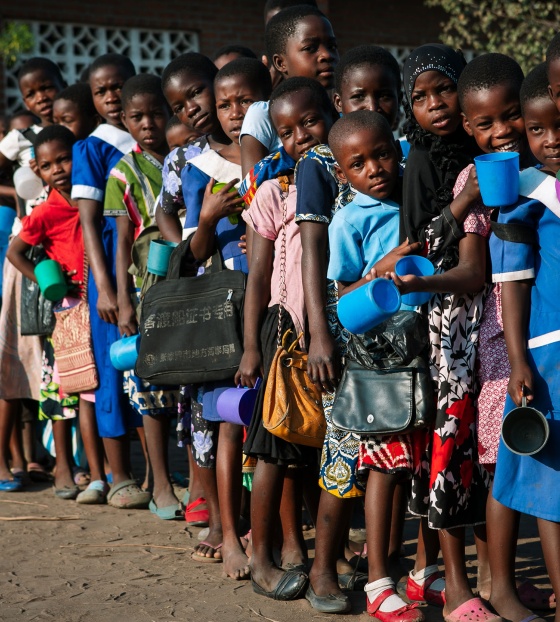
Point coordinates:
pixel 236 562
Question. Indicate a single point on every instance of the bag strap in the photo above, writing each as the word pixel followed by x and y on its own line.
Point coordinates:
pixel 29 135
pixel 513 232
pixel 86 277
pixel 284 189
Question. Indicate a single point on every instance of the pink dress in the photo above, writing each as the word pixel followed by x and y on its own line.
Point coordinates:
pixel 493 369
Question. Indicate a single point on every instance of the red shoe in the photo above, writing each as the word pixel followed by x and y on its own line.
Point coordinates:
pixel 194 517
pixel 424 593
pixel 408 613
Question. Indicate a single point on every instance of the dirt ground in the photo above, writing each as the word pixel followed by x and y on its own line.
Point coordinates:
pixel 108 565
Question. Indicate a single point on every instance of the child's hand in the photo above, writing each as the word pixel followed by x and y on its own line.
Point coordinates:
pixel 471 191
pixel 73 285
pixel 243 244
pixel 128 324
pixel 107 307
pixel 408 283
pixel 33 166
pixel 387 263
pixel 221 204
pixel 520 380
pixel 323 366
pixel 250 368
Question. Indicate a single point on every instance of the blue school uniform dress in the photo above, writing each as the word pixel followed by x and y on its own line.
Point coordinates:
pixel 93 159
pixel 529 484
pixel 195 177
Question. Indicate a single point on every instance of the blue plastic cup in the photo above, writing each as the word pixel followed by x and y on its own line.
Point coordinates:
pixel 7 217
pixel 51 280
pixel 124 352
pixel 418 266
pixel 369 305
pixel 498 178
pixel 159 255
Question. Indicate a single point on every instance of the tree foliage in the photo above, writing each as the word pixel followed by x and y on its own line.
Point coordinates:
pixel 519 28
pixel 15 39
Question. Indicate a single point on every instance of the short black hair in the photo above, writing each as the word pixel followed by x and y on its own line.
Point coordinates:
pixel 251 69
pixel 173 122
pixel 283 26
pixel 55 132
pixel 23 113
pixel 271 5
pixel 38 63
pixel 535 85
pixel 120 61
pixel 243 51
pixel 366 55
pixel 487 71
pixel 293 85
pixel 80 94
pixel 191 62
pixel 142 84
pixel 354 122
pixel 553 50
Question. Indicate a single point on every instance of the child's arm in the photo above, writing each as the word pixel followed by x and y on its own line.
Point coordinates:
pixel 214 207
pixel 468 276
pixel 252 151
pixel 127 315
pixel 169 225
pixel 91 212
pixel 257 297
pixel 516 302
pixel 16 254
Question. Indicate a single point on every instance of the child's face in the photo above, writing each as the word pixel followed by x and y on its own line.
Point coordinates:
pixel 106 84
pixel 68 114
pixel 311 52
pixel 191 98
pixel 38 89
pixel 224 59
pixel 21 122
pixel 370 162
pixel 435 104
pixel 145 117
pixel 554 81
pixel 542 123
pixel 54 161
pixel 493 117
pixel 300 122
pixel 369 87
pixel 234 95
pixel 179 136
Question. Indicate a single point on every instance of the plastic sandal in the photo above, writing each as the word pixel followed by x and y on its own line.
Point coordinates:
pixel 194 517
pixel 94 494
pixel 37 473
pixel 473 610
pixel 536 598
pixel 128 495
pixel 11 485
pixel 408 613
pixel 424 593
pixel 170 512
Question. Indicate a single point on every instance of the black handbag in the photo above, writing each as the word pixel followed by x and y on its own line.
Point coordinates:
pixel 191 327
pixel 386 386
pixel 37 315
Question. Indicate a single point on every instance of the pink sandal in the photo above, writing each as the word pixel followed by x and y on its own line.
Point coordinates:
pixel 408 613
pixel 473 610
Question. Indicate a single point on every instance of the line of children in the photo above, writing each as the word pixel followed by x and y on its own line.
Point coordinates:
pixel 327 213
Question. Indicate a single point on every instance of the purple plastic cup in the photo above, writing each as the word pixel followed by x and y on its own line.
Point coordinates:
pixel 236 405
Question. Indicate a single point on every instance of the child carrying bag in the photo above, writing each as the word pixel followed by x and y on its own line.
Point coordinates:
pixel 191 328
pixel 73 351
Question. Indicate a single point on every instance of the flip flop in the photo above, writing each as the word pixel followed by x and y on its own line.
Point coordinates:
pixel 536 598
pixel 128 495
pixel 37 473
pixel 170 512
pixel 473 610
pixel 11 485
pixel 194 517
pixel 208 560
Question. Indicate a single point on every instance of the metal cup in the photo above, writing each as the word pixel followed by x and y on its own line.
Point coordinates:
pixel 525 430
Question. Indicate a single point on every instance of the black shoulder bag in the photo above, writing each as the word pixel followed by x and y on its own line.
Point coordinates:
pixel 191 327
pixel 37 316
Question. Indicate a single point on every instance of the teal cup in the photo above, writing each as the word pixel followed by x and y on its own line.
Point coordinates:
pixel 368 305
pixel 51 280
pixel 124 352
pixel 498 178
pixel 159 255
pixel 418 266
pixel 525 430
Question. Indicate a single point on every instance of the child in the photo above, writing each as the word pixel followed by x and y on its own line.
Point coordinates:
pixel 227 53
pixel 361 234
pixel 188 86
pixel 56 225
pixel 299 42
pixel 553 69
pixel 132 190
pixel 236 87
pixel 489 96
pixel 73 108
pixel 177 134
pixel 302 114
pixel 94 158
pixel 320 194
pixel 20 376
pixel 449 487
pixel 529 277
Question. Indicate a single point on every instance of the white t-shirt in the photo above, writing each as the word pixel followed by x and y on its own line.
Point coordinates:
pixel 16 147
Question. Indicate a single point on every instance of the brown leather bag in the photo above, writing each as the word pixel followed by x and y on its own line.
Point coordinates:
pixel 293 408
